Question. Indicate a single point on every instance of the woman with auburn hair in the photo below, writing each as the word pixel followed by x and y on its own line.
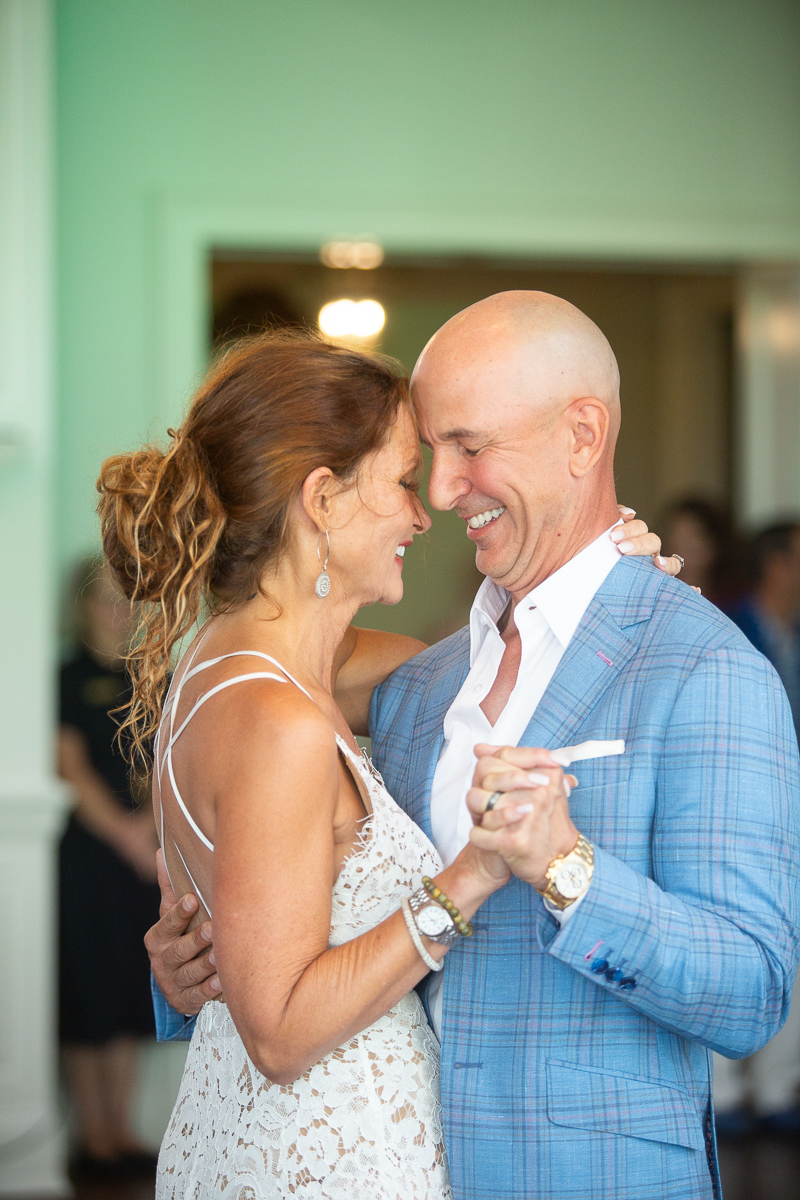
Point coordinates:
pixel 284 504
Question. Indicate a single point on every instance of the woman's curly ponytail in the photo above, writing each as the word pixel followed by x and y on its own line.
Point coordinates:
pixel 161 521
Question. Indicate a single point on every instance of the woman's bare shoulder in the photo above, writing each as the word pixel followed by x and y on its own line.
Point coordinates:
pixel 265 727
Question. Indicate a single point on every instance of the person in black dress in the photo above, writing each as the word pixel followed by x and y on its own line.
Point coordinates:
pixel 108 897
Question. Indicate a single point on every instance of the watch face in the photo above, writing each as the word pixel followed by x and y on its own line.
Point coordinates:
pixel 432 920
pixel 571 879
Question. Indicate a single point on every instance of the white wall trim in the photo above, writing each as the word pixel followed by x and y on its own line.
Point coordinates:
pixel 32 1146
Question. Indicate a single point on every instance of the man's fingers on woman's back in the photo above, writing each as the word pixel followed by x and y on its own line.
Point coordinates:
pixel 171 928
pixel 198 970
pixel 192 1000
pixel 187 948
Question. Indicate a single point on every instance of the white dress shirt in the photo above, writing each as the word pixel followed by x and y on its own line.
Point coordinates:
pixel 546 619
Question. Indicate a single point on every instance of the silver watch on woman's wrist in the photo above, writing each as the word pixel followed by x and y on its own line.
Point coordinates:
pixel 432 920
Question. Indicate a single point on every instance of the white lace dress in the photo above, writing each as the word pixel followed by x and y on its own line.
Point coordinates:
pixel 364 1123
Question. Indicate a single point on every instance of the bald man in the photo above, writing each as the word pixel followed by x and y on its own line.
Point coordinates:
pixel 652 913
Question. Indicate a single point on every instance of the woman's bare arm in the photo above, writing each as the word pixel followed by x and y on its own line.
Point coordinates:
pixel 294 1000
pixel 365 658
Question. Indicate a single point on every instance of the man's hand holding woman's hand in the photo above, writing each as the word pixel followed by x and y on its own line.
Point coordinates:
pixel 182 963
pixel 530 824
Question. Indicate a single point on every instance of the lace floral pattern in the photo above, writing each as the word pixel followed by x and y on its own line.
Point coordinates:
pixel 364 1123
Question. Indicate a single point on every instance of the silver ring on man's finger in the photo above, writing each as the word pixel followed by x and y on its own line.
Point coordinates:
pixel 490 803
pixel 680 560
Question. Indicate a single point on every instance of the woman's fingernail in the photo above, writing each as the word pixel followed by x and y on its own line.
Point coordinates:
pixel 211 958
pixel 216 986
pixel 567 787
pixel 539 779
pixel 625 547
pixel 625 510
pixel 617 535
pixel 662 562
pixel 522 809
pixel 205 933
pixel 187 903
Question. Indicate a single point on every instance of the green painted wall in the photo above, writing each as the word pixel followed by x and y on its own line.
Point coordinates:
pixel 638 129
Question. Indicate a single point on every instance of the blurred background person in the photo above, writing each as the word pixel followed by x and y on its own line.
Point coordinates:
pixel 702 534
pixel 761 1092
pixel 108 896
pixel 769 614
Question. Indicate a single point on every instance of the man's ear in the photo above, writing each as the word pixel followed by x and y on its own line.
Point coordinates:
pixel 590 423
pixel 317 492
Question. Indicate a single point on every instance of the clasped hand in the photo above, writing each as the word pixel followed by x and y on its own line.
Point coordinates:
pixel 530 824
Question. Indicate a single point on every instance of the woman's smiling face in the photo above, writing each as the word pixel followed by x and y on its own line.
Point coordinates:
pixel 376 519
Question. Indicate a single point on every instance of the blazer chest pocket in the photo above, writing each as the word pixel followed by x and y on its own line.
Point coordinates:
pixel 629 1105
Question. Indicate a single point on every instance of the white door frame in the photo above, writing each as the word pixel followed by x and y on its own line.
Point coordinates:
pixel 768 450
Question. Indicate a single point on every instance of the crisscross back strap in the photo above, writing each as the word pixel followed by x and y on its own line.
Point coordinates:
pixel 174 734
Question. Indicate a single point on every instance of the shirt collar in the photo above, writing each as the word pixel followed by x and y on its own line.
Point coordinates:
pixel 562 598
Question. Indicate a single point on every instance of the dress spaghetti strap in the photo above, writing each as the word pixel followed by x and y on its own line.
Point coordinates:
pixel 171 707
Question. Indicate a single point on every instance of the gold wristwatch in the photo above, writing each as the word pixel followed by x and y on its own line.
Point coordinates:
pixel 569 875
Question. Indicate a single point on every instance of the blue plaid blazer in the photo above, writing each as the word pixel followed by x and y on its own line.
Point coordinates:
pixel 575 1062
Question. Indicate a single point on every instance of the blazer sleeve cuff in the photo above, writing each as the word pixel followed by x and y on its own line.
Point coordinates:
pixel 171 1026
pixel 608 937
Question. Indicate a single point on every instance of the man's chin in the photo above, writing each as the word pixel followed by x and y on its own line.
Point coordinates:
pixel 492 562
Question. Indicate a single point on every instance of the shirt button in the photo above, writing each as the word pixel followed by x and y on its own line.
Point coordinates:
pixel 477 688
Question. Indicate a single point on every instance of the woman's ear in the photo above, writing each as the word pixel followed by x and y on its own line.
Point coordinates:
pixel 590 423
pixel 317 492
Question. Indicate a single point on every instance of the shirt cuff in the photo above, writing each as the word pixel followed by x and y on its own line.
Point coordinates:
pixel 562 915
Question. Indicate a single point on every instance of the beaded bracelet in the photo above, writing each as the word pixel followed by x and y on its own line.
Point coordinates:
pixel 436 893
pixel 430 962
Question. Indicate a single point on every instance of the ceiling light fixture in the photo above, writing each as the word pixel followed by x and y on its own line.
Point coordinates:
pixel 364 255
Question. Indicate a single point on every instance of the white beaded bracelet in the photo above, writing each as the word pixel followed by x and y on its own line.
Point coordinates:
pixel 430 963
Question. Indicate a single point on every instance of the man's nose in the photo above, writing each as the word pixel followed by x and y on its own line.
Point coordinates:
pixel 446 482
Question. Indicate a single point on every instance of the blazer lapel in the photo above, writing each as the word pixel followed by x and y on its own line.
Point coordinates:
pixel 604 642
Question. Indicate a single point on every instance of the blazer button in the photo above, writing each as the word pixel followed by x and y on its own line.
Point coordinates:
pixel 628 983
pixel 614 974
pixel 600 966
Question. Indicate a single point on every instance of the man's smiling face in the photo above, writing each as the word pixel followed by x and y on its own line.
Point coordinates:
pixel 518 399
pixel 495 462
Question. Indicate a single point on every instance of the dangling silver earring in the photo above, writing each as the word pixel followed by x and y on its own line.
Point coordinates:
pixel 323 584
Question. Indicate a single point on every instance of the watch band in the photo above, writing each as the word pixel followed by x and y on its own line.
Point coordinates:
pixel 430 962
pixel 582 857
pixel 421 899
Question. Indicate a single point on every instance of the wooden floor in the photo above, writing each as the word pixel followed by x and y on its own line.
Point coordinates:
pixel 758 1170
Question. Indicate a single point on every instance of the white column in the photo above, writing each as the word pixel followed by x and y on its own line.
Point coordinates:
pixel 31 1138
pixel 769 393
